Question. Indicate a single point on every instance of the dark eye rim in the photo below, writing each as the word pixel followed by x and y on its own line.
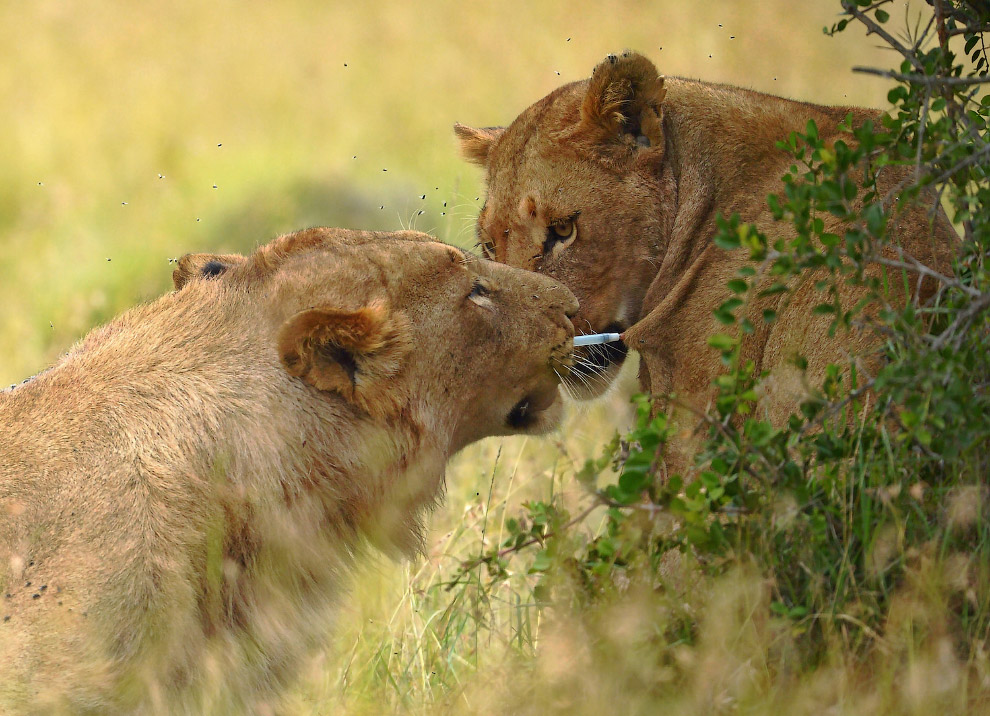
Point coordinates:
pixel 487 248
pixel 479 289
pixel 553 238
pixel 482 241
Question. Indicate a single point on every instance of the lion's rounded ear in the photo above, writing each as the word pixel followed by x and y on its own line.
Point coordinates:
pixel 624 98
pixel 354 353
pixel 477 143
pixel 203 266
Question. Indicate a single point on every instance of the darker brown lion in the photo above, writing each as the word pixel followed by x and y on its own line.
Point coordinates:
pixel 612 185
pixel 182 494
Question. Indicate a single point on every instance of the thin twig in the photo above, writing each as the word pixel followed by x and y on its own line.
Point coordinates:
pixel 872 27
pixel 912 264
pixel 971 159
pixel 833 408
pixel 962 320
pixel 921 134
pixel 969 30
pixel 468 566
pixel 929 80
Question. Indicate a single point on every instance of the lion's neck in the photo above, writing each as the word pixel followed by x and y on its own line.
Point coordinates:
pixel 183 392
pixel 725 137
pixel 157 375
pixel 721 158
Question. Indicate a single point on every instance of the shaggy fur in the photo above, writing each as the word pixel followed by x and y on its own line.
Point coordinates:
pixel 182 494
pixel 642 165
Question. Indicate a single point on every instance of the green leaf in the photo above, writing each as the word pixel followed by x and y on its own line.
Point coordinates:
pixel 726 240
pixel 541 563
pixel 722 342
pixel 605 547
pixel 632 481
pixel 882 15
pixel 777 287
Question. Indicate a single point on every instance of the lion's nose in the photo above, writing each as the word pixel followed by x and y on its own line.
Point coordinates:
pixel 560 297
pixel 570 304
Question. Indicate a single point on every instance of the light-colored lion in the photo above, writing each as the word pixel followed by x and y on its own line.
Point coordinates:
pixel 182 493
pixel 612 185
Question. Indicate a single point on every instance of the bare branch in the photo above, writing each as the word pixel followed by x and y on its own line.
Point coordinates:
pixel 974 30
pixel 971 159
pixel 929 80
pixel 910 263
pixel 962 320
pixel 872 27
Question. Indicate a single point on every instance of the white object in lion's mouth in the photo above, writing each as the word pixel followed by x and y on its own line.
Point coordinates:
pixel 596 338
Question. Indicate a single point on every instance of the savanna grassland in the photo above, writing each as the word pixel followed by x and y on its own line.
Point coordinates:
pixel 134 133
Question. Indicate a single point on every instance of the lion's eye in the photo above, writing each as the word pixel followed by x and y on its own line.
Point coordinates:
pixel 487 249
pixel 479 289
pixel 564 229
pixel 560 233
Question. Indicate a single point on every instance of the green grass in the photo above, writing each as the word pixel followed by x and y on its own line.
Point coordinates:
pixel 134 133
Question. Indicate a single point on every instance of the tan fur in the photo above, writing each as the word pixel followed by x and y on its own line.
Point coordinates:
pixel 645 163
pixel 182 494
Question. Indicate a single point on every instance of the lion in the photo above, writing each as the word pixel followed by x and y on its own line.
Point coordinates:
pixel 183 493
pixel 613 184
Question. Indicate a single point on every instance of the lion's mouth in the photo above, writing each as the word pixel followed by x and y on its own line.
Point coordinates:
pixel 594 360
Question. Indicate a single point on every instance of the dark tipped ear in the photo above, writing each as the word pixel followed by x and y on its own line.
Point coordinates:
pixel 193 266
pixel 476 143
pixel 354 353
pixel 624 101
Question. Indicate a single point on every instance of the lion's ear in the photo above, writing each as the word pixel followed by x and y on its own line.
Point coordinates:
pixel 203 266
pixel 354 353
pixel 476 143
pixel 624 97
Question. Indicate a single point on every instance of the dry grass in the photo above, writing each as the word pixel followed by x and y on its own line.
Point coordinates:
pixel 134 133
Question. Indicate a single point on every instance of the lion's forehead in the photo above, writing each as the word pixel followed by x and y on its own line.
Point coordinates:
pixel 559 183
pixel 392 253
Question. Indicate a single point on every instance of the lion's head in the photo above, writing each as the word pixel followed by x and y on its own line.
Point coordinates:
pixel 399 323
pixel 573 188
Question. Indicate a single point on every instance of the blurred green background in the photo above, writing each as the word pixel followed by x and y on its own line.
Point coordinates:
pixel 135 132
pixel 132 133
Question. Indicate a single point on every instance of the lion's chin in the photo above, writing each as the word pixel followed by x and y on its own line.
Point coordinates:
pixel 592 375
pixel 537 413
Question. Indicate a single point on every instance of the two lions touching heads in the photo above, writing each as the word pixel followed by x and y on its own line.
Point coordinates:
pixel 182 494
